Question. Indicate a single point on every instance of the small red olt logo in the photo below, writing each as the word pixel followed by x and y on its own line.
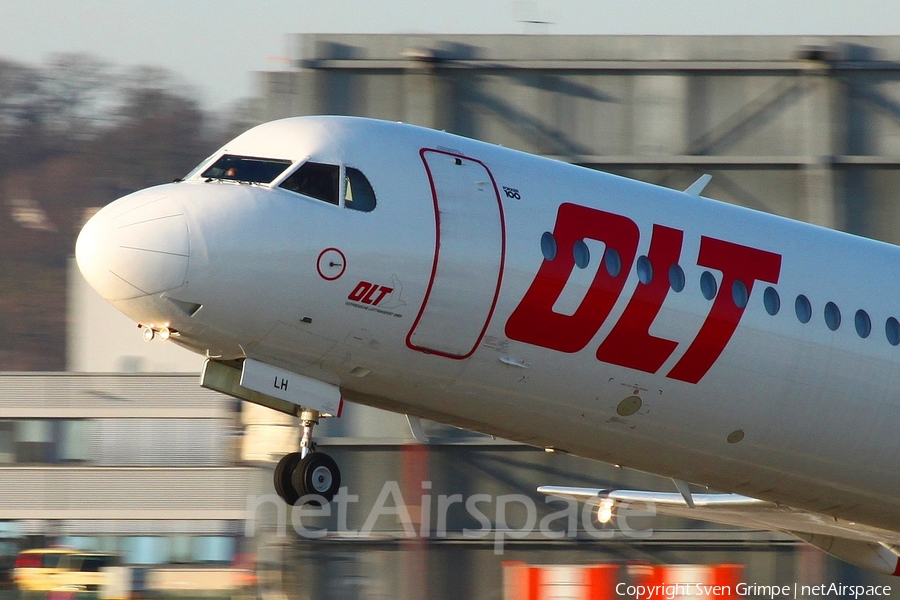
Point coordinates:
pixel 369 293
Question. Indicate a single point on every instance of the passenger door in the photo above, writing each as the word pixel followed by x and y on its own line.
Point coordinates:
pixel 468 257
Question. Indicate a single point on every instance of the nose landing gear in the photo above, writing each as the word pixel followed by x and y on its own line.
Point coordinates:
pixel 307 473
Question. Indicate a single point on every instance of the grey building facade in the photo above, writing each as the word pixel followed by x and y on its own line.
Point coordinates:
pixel 142 465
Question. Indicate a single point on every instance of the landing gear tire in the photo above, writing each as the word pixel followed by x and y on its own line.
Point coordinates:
pixel 318 475
pixel 284 473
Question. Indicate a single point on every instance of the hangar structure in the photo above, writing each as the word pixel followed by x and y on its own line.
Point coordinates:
pixel 804 127
pixel 808 128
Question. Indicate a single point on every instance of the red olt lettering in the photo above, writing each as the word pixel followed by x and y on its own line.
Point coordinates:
pixel 629 343
pixel 369 293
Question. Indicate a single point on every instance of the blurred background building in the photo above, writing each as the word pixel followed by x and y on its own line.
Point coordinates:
pixel 802 127
pixel 146 466
pixel 126 453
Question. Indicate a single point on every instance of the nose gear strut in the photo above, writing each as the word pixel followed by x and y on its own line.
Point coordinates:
pixel 307 475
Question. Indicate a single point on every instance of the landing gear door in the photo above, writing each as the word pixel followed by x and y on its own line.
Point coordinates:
pixel 468 257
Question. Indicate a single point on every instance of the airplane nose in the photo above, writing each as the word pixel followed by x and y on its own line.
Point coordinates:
pixel 137 246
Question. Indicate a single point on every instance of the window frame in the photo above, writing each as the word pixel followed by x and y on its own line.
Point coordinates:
pixel 342 182
pixel 276 183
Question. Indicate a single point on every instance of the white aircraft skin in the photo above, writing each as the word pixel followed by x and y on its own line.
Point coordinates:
pixel 479 339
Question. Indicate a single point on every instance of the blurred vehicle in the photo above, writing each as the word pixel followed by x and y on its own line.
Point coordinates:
pixel 83 572
pixel 37 570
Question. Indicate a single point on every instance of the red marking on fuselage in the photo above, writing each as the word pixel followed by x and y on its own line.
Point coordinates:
pixel 437 249
pixel 737 263
pixel 362 288
pixel 630 344
pixel 534 321
pixel 365 292
pixel 343 264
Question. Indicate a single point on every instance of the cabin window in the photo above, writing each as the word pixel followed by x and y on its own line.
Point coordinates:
pixel 892 331
pixel 708 285
pixel 548 246
pixel 316 180
pixel 676 278
pixel 246 168
pixel 358 192
pixel 832 316
pixel 771 301
pixel 863 323
pixel 582 254
pixel 739 293
pixel 803 309
pixel 612 262
pixel 644 270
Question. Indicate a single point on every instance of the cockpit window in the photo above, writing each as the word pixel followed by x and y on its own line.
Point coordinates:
pixel 246 168
pixel 315 180
pixel 358 192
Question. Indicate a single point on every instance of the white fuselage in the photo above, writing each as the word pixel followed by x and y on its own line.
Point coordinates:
pixel 443 302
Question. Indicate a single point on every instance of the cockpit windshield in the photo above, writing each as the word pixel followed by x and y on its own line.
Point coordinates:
pixel 246 168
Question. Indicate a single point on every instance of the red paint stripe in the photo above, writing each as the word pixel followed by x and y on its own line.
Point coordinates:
pixel 601 582
pixel 727 577
pixel 533 575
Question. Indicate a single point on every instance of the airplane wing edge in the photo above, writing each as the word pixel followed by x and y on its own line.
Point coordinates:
pixel 866 547
pixel 596 495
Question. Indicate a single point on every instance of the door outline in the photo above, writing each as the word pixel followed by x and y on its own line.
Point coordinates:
pixel 437 249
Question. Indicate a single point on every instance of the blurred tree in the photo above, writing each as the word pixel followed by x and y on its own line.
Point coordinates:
pixel 78 89
pixel 159 133
pixel 78 133
pixel 48 111
pixel 20 113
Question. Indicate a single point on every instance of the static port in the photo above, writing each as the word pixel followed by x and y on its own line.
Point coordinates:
pixel 629 406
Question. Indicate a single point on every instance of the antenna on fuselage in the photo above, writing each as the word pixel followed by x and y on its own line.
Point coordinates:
pixel 696 188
